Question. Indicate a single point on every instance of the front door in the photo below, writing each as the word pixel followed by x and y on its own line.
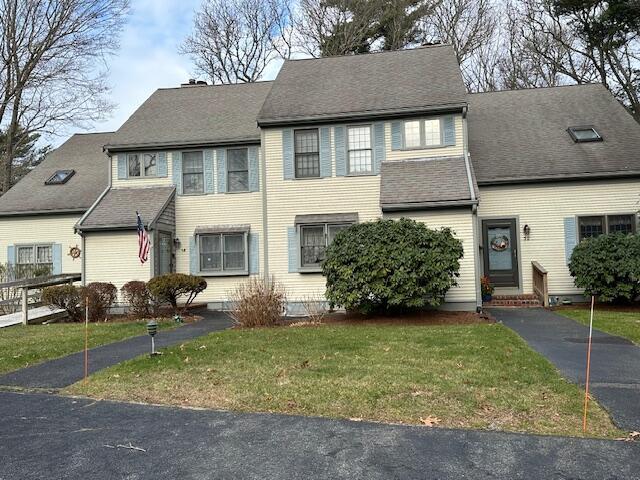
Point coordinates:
pixel 500 247
pixel 165 253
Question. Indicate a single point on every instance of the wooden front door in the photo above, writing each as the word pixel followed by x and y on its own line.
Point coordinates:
pixel 500 251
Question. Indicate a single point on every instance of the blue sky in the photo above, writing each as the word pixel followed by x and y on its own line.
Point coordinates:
pixel 148 58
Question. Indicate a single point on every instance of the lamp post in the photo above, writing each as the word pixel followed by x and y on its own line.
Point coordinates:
pixel 152 329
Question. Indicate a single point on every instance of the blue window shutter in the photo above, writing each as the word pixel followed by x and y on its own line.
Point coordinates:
pixel 11 255
pixel 122 166
pixel 341 151
pixel 176 158
pixel 254 175
pixel 292 237
pixel 448 127
pixel 396 135
pixel 253 253
pixel 208 171
pixel 221 161
pixel 325 152
pixel 193 256
pixel 57 258
pixel 162 164
pixel 379 147
pixel 287 154
pixel 570 237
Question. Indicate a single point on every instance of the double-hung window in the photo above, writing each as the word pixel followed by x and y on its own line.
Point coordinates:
pixel 223 253
pixel 142 165
pixel 422 133
pixel 359 149
pixel 314 240
pixel 238 170
pixel 307 153
pixel 32 259
pixel 596 225
pixel 192 172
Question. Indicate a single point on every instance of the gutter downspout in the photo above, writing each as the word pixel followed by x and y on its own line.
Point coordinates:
pixel 265 229
pixel 474 212
pixel 77 230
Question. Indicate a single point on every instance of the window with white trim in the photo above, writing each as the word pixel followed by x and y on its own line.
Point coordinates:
pixel 596 225
pixel 238 170
pixel 359 149
pixel 432 134
pixel 426 133
pixel 412 137
pixel 307 153
pixel 142 165
pixel 314 240
pixel 32 259
pixel 223 253
pixel 192 172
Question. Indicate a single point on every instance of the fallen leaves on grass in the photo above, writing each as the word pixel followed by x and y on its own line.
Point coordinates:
pixel 429 421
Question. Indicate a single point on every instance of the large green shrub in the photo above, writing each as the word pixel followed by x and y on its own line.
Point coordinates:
pixel 99 297
pixel 172 286
pixel 391 265
pixel 608 266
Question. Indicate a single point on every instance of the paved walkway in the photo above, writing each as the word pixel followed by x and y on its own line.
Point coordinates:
pixel 47 436
pixel 65 371
pixel 615 361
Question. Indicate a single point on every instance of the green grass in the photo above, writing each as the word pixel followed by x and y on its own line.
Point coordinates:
pixel 24 346
pixel 623 324
pixel 477 376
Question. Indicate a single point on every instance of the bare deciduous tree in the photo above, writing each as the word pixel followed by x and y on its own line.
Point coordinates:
pixel 233 41
pixel 50 57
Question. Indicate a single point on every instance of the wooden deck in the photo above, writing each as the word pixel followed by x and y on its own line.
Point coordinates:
pixel 36 315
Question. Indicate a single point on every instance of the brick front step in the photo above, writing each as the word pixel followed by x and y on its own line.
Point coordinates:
pixel 521 301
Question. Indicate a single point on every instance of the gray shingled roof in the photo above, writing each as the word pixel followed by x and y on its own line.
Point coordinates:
pixel 424 183
pixel 521 135
pixel 378 83
pixel 194 115
pixel 82 153
pixel 117 209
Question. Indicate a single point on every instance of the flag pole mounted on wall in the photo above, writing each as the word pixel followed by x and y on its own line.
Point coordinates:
pixel 586 388
pixel 144 244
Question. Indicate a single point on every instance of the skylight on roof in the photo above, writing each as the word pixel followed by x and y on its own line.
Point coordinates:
pixel 584 134
pixel 60 177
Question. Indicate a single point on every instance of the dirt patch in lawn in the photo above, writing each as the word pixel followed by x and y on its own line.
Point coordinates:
pixel 432 317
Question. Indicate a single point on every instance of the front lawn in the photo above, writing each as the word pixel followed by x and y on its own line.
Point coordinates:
pixel 25 346
pixel 621 323
pixel 478 376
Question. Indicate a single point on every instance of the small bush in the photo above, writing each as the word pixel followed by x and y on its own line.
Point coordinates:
pixel 171 287
pixel 66 297
pixel 258 302
pixel 137 296
pixel 391 265
pixel 608 266
pixel 100 296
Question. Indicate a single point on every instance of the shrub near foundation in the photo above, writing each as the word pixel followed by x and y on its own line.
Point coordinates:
pixel 100 297
pixel 258 302
pixel 136 294
pixel 66 297
pixel 171 287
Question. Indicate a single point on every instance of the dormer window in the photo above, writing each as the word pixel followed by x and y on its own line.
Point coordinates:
pixel 584 134
pixel 60 177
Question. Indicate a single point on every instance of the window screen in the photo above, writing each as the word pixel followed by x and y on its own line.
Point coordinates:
pixel 192 172
pixel 412 134
pixel 307 153
pixel 359 146
pixel 238 170
pixel 432 133
pixel 591 227
pixel 223 252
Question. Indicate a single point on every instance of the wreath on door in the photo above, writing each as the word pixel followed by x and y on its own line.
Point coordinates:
pixel 499 243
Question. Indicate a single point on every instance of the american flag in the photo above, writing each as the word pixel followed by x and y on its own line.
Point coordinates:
pixel 143 241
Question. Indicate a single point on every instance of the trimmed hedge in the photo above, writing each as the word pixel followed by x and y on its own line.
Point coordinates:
pixel 391 265
pixel 170 287
pixel 608 266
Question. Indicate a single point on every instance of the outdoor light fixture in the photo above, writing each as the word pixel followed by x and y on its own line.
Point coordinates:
pixel 527 231
pixel 152 329
pixel 176 242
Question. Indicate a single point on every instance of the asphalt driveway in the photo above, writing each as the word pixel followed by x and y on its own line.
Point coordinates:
pixel 615 361
pixel 62 372
pixel 47 436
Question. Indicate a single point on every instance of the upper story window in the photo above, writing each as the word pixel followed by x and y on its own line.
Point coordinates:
pixel 584 134
pixel 307 153
pixel 60 177
pixel 192 172
pixel 314 240
pixel 596 225
pixel 142 164
pixel 30 258
pixel 359 149
pixel 422 133
pixel 223 253
pixel 238 170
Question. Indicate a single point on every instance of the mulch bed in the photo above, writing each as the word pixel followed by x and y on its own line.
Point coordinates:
pixel 430 317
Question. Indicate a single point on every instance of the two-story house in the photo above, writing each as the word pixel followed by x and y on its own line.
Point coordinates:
pixel 257 179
